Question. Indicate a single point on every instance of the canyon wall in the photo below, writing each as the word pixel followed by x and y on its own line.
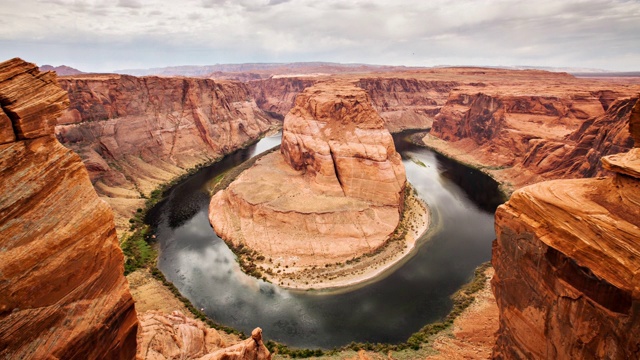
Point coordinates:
pixel 278 95
pixel 525 134
pixel 64 294
pixel 407 103
pixel 402 102
pixel 566 256
pixel 136 133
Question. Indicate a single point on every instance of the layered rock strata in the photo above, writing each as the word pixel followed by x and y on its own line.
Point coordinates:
pixel 278 95
pixel 525 134
pixel 136 133
pixel 333 193
pixel 407 103
pixel 64 295
pixel 567 276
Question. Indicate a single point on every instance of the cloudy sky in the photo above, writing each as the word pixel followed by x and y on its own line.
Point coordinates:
pixel 104 35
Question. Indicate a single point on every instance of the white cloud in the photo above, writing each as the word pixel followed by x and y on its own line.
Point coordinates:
pixel 102 35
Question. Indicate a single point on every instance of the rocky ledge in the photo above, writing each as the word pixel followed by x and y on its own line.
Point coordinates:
pixel 567 271
pixel 334 193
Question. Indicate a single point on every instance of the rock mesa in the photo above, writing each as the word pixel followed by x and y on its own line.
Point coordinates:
pixel 334 191
pixel 63 292
pixel 566 256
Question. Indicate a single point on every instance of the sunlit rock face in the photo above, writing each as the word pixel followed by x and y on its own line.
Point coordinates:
pixel 63 294
pixel 334 136
pixel 334 192
pixel 135 133
pixel 567 271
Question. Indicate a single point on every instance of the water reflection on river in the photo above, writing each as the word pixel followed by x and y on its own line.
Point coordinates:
pixel 387 310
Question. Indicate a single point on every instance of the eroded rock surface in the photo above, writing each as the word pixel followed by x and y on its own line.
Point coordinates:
pixel 136 133
pixel 177 337
pixel 333 193
pixel 526 132
pixel 567 271
pixel 278 95
pixel 64 294
pixel 407 103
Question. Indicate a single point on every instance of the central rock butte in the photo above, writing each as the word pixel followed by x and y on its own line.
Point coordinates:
pixel 334 192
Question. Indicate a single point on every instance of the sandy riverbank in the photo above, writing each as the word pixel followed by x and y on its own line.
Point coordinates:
pixel 415 222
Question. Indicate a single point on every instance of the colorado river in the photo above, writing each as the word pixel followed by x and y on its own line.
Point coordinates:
pixel 389 309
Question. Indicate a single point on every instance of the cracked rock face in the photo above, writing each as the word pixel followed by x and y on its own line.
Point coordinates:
pixel 567 266
pixel 333 193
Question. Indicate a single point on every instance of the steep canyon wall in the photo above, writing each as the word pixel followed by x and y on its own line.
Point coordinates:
pixel 64 294
pixel 525 134
pixel 567 279
pixel 402 102
pixel 136 133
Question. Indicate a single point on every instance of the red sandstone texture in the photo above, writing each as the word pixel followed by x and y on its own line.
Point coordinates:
pixel 278 95
pixel 406 103
pixel 567 271
pixel 521 133
pixel 402 102
pixel 136 133
pixel 177 337
pixel 64 295
pixel 334 193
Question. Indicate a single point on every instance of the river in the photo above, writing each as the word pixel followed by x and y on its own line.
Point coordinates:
pixel 388 309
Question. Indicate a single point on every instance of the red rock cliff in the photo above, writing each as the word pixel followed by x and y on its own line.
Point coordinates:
pixel 136 133
pixel 64 295
pixel 567 266
pixel 529 132
pixel 407 103
pixel 278 95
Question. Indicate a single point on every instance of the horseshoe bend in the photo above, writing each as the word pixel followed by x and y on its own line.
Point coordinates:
pixel 330 208
pixel 334 194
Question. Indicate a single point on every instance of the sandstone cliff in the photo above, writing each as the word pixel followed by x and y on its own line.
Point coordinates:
pixel 522 134
pixel 567 272
pixel 136 133
pixel 64 295
pixel 278 95
pixel 407 103
pixel 333 193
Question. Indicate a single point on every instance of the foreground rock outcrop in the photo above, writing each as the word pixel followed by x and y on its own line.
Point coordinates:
pixel 63 292
pixel 567 266
pixel 335 191
pixel 175 336
pixel 134 133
